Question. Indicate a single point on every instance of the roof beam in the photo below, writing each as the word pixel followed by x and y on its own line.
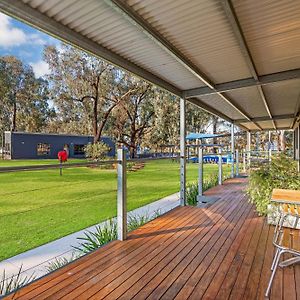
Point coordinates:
pixel 213 111
pixel 265 118
pixel 271 129
pixel 244 83
pixel 136 20
pixel 33 17
pixel 237 30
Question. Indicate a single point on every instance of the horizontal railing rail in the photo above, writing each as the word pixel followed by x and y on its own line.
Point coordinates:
pixel 10 169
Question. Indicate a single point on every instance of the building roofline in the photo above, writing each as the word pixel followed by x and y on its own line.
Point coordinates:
pixel 51 134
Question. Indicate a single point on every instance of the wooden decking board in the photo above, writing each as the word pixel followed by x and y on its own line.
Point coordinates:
pixel 289 288
pixel 236 264
pixel 253 263
pixel 188 279
pixel 251 289
pixel 167 266
pixel 242 277
pixel 268 257
pixel 229 262
pixel 63 278
pixel 105 267
pixel 219 252
pixel 204 278
pixel 53 278
pixel 147 262
pixel 83 286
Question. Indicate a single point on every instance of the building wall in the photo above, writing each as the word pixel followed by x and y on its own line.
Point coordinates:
pixel 24 145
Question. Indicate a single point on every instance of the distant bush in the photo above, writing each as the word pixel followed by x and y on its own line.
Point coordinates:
pixel 280 173
pixel 97 151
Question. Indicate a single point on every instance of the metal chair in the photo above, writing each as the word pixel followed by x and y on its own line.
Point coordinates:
pixel 285 240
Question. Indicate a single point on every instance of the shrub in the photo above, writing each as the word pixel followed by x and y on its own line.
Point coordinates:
pixel 102 235
pixel 280 173
pixel 96 151
pixel 8 285
pixel 59 262
pixel 192 188
pixel 108 232
pixel 135 221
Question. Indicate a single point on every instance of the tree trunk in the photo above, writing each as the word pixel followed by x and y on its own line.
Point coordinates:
pixel 95 121
pixel 215 128
pixel 14 117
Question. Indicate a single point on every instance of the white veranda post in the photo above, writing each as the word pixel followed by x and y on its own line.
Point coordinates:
pixel 122 196
pixel 182 152
pixel 232 151
pixel 248 148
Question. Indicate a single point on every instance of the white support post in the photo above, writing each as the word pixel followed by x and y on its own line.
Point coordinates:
pixel 182 152
pixel 122 196
pixel 244 161
pixel 220 179
pixel 232 151
pixel 249 148
pixel 200 172
pixel 237 162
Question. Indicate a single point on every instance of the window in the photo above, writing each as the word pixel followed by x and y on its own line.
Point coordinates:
pixel 79 149
pixel 43 149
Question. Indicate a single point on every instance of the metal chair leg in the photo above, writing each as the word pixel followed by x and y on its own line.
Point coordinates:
pixel 275 263
pixel 274 259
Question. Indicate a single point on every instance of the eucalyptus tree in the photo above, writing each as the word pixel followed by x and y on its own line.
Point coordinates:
pixel 24 98
pixel 84 89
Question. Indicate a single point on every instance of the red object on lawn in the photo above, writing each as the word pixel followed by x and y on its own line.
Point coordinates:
pixel 62 155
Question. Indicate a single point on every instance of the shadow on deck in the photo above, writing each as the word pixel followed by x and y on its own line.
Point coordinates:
pixel 220 252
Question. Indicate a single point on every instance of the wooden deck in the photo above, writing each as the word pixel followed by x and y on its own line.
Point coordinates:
pixel 224 251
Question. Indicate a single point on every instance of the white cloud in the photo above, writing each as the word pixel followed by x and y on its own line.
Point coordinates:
pixel 12 36
pixel 40 68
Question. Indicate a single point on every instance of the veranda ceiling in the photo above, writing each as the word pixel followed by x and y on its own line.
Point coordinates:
pixel 237 59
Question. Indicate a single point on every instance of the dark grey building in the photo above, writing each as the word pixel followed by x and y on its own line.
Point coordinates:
pixel 22 145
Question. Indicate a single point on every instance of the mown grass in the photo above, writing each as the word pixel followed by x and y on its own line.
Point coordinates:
pixel 40 206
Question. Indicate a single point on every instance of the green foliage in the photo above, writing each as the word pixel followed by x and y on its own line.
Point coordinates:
pixel 94 240
pixel 96 151
pixel 191 193
pixel 10 284
pixel 192 188
pixel 135 221
pixel 280 173
pixel 59 262
pixel 108 232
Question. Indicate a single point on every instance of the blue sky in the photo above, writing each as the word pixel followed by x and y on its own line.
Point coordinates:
pixel 24 42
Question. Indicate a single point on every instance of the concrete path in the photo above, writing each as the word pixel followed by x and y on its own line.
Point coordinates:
pixel 34 261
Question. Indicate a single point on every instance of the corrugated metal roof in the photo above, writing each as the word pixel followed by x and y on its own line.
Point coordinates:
pixel 97 21
pixel 272 30
pixel 200 30
pixel 201 38
pixel 284 97
pixel 250 100
pixel 222 106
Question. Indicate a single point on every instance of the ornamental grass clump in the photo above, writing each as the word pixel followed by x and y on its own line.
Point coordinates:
pixel 280 173
pixel 192 188
pixel 10 284
pixel 109 232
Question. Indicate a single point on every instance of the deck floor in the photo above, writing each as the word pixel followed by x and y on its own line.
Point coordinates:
pixel 224 251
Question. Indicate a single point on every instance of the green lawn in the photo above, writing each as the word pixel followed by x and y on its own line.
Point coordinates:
pixel 40 206
pixel 32 162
